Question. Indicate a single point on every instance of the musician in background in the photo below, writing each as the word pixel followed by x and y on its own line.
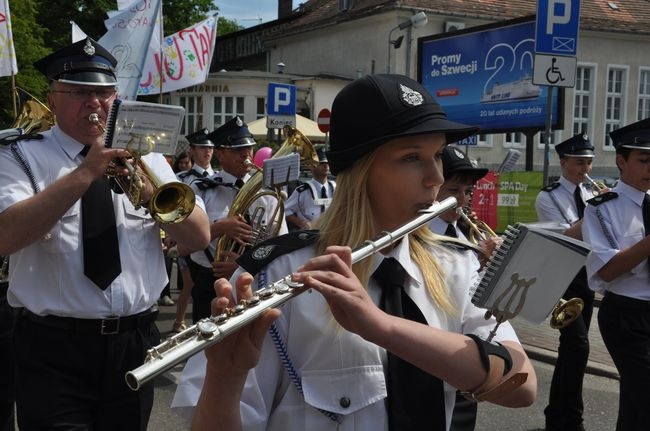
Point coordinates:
pixel 459 175
pixel 386 139
pixel 310 199
pixel 82 322
pixel 201 152
pixel 616 225
pixel 563 202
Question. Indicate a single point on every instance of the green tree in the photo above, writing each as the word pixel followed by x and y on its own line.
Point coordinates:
pixel 225 26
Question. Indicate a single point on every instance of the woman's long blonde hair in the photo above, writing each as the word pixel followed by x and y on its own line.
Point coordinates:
pixel 348 221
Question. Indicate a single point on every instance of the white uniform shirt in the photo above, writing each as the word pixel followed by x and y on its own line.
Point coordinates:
pixel 218 201
pixel 47 277
pixel 558 205
pixel 306 201
pixel 332 362
pixel 610 227
pixel 195 172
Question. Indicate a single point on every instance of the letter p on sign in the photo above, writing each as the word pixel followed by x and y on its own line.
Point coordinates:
pixel 563 7
pixel 281 99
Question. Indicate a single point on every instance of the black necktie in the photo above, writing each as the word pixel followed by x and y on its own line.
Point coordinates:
pixel 416 399
pixel 645 208
pixel 323 195
pixel 239 183
pixel 101 248
pixel 451 231
pixel 580 204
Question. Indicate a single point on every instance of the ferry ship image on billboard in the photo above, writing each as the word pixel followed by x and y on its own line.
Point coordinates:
pixel 521 89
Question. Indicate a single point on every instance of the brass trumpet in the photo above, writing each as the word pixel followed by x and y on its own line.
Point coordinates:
pixel 596 187
pixel 478 229
pixel 171 202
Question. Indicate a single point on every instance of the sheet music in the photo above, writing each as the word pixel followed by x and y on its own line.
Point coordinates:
pixel 279 171
pixel 529 272
pixel 144 127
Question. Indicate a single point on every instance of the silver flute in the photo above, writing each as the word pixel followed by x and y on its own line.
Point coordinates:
pixel 211 330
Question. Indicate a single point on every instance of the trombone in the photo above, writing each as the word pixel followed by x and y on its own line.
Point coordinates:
pixel 171 202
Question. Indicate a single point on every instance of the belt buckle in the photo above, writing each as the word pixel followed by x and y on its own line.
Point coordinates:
pixel 110 326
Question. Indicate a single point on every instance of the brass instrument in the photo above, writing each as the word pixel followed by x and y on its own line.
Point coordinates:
pixel 264 225
pixel 33 116
pixel 565 312
pixel 596 187
pixel 211 330
pixel 171 202
pixel 478 229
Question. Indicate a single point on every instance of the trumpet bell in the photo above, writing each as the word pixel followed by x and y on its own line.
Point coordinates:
pixel 172 202
pixel 565 312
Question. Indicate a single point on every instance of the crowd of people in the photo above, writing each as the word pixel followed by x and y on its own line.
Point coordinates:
pixel 390 342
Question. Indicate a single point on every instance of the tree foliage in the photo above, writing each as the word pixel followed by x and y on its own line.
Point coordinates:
pixel 42 26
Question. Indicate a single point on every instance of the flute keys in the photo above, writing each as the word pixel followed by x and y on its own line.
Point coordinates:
pixel 207 329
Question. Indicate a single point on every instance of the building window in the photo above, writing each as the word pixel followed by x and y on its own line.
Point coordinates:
pixel 615 101
pixel 484 140
pixel 193 119
pixel 261 107
pixel 644 95
pixel 514 140
pixel 555 139
pixel 582 100
pixel 226 108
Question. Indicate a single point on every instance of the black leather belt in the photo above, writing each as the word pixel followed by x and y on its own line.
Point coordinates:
pixel 626 301
pixel 106 326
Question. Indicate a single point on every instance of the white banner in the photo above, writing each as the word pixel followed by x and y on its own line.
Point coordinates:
pixel 127 39
pixel 77 33
pixel 8 64
pixel 186 58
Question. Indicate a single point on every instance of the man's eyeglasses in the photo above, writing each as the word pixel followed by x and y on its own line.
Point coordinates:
pixel 102 94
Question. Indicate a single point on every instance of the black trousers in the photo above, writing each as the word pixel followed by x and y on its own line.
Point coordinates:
pixel 625 327
pixel 464 415
pixel 74 380
pixel 565 404
pixel 7 389
pixel 202 292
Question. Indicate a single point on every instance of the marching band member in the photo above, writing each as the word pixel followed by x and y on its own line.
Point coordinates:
pixel 310 199
pixel 616 225
pixel 86 308
pixel 564 202
pixel 234 146
pixel 201 151
pixel 334 359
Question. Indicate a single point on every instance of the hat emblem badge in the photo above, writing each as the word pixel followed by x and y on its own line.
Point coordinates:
pixel 239 122
pixel 411 96
pixel 88 48
pixel 459 154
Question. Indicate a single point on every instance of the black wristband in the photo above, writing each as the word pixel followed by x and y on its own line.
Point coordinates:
pixel 486 348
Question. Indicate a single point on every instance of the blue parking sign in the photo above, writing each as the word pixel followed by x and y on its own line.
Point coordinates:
pixel 281 99
pixel 556 30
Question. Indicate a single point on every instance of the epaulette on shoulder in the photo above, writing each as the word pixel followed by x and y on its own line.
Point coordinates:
pixel 453 244
pixel 262 254
pixel 10 136
pixel 183 175
pixel 551 187
pixel 597 200
pixel 302 187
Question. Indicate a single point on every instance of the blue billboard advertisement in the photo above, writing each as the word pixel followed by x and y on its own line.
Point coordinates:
pixel 483 76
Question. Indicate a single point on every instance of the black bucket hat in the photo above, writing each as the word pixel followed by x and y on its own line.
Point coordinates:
pixel 377 108
pixel 454 161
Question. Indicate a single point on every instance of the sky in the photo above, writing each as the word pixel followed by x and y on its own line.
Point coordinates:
pixel 249 12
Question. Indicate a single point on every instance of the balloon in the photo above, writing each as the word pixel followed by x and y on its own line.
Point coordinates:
pixel 261 155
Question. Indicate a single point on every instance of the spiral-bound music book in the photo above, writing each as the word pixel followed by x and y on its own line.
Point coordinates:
pixel 132 124
pixel 528 273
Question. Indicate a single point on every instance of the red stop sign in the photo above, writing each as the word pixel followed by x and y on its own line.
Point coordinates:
pixel 323 120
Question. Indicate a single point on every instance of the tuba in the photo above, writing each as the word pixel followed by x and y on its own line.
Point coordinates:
pixel 264 225
pixel 170 203
pixel 33 115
